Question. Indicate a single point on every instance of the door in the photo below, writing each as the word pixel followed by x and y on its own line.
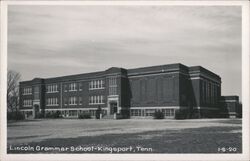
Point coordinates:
pixel 113 108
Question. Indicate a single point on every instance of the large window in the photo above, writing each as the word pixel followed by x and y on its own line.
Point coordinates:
pixel 52 101
pixel 27 90
pixel 136 112
pixel 72 87
pixel 36 93
pixel 150 112
pixel 168 112
pixel 52 88
pixel 96 84
pixel 96 100
pixel 80 86
pixel 112 86
pixel 72 101
pixel 27 103
pixel 80 100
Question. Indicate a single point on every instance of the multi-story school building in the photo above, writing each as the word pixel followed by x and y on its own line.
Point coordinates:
pixel 175 89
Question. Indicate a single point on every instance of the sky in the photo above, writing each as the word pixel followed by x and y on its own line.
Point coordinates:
pixel 48 41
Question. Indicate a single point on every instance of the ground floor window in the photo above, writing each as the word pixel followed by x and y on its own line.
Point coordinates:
pixel 168 112
pixel 92 112
pixel 150 112
pixel 136 112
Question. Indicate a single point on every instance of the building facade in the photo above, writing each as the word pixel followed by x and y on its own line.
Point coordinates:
pixel 231 107
pixel 174 89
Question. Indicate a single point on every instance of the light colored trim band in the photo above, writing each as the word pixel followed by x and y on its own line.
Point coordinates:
pixel 84 109
pixel 168 107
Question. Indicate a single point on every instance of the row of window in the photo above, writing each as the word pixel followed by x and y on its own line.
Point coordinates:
pixel 75 113
pixel 27 90
pixel 73 101
pixel 27 103
pixel 72 87
pixel 96 84
pixel 53 88
pixel 52 101
pixel 150 112
pixel 96 100
pixel 210 92
pixel 76 100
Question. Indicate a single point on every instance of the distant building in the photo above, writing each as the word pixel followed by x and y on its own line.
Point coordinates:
pixel 175 89
pixel 230 106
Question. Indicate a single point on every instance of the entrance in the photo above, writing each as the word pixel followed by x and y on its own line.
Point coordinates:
pixel 35 110
pixel 113 107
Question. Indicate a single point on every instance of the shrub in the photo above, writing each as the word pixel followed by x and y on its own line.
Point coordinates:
pixel 179 114
pixel 84 116
pixel 40 115
pixel 125 113
pixel 158 115
pixel 15 115
pixel 53 115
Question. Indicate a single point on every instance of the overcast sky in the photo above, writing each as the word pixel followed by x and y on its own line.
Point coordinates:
pixel 48 41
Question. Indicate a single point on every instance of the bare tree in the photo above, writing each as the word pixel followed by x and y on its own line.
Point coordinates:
pixel 13 79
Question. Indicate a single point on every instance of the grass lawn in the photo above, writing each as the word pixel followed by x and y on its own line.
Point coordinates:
pixel 125 136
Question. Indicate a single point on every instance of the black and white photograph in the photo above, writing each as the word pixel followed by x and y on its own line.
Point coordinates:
pixel 125 78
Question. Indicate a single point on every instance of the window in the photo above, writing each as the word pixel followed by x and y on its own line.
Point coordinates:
pixel 65 87
pixel 72 87
pixel 36 93
pixel 204 91
pixel 65 101
pixel 53 88
pixel 96 84
pixel 168 112
pixel 136 112
pixel 27 103
pixel 72 101
pixel 150 112
pixel 80 100
pixel 52 101
pixel 112 86
pixel 27 91
pixel 212 93
pixel 80 86
pixel 96 100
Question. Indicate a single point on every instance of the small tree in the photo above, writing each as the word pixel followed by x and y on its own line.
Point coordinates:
pixel 13 79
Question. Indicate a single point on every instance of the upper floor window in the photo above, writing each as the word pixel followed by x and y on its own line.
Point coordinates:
pixel 72 87
pixel 52 88
pixel 27 90
pixel 80 86
pixel 80 100
pixel 27 103
pixel 112 86
pixel 96 84
pixel 52 101
pixel 72 101
pixel 112 81
pixel 36 93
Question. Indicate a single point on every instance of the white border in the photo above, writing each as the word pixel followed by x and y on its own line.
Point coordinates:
pixel 111 157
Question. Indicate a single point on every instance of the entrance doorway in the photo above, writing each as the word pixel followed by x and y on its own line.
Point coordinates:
pixel 113 107
pixel 35 110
